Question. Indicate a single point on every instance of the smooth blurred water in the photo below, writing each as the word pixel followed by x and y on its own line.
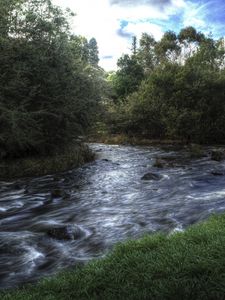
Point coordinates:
pixel 108 200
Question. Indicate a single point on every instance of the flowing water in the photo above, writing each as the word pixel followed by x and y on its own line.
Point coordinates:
pixel 108 201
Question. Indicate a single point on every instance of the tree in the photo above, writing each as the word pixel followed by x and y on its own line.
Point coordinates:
pixel 189 34
pixel 93 52
pixel 80 48
pixel 134 46
pixel 146 52
pixel 210 53
pixel 46 93
pixel 128 77
pixel 189 40
pixel 167 49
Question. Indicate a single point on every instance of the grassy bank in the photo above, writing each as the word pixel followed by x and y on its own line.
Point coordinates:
pixel 195 150
pixel 115 139
pixel 70 157
pixel 188 265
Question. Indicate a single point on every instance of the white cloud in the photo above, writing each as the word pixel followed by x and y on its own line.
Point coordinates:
pixel 100 19
pixel 178 4
pixel 95 19
pixel 133 13
pixel 137 28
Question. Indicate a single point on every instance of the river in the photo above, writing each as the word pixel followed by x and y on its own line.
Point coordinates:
pixel 108 202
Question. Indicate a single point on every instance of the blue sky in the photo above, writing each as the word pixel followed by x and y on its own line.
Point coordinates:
pixel 114 22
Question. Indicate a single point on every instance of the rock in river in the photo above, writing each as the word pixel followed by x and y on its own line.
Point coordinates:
pixel 151 176
pixel 66 232
pixel 58 193
pixel 217 173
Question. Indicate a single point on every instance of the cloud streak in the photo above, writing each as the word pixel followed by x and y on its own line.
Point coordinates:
pixel 123 33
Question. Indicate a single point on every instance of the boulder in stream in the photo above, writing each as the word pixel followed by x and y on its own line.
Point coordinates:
pixel 217 173
pixel 58 193
pixel 151 176
pixel 66 232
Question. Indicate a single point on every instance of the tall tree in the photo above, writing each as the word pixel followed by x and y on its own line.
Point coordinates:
pixel 44 84
pixel 167 49
pixel 134 46
pixel 189 40
pixel 93 52
pixel 128 77
pixel 146 54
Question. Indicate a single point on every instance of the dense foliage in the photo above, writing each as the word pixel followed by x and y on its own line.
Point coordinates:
pixel 48 89
pixel 182 91
pixel 51 84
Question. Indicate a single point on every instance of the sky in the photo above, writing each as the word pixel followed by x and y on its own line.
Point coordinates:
pixel 114 22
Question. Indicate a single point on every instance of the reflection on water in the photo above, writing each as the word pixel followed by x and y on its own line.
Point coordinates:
pixel 108 200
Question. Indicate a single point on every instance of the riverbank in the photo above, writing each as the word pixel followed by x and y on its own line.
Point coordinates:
pixel 184 265
pixel 195 150
pixel 70 157
pixel 122 139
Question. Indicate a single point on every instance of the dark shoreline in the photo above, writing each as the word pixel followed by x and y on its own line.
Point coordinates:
pixel 76 155
pixel 71 157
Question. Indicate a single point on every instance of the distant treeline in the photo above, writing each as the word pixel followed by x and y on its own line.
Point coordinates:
pixel 48 79
pixel 172 88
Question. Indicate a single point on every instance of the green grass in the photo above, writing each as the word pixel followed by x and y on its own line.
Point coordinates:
pixel 189 265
